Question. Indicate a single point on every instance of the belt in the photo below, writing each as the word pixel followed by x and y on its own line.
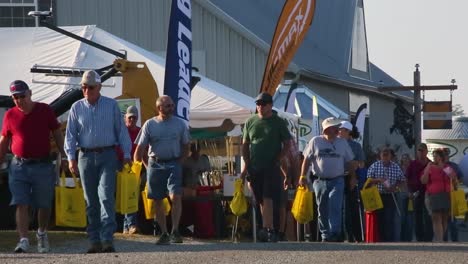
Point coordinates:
pixel 97 150
pixel 324 179
pixel 158 160
pixel 33 161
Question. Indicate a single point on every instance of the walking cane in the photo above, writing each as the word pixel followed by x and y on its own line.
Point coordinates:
pixel 396 204
pixel 234 230
pixel 360 212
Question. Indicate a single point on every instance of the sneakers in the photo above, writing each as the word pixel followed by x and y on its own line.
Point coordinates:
pixel 164 239
pixel 42 243
pixel 132 230
pixel 267 235
pixel 176 237
pixel 22 246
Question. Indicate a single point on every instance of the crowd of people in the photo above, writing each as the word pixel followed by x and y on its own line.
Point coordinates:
pixel 98 142
pixel 415 193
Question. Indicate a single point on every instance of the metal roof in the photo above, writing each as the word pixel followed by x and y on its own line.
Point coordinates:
pixel 327 46
pixel 459 130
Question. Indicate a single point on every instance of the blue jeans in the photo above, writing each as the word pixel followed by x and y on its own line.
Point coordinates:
pixel 406 220
pixel 129 220
pixel 329 195
pixel 98 174
pixel 387 217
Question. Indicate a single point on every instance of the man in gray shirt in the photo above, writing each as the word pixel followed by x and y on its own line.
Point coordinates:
pixel 168 140
pixel 328 157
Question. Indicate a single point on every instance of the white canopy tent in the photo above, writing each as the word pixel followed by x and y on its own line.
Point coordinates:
pixel 211 105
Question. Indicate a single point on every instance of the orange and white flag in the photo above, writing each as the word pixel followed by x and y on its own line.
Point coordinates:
pixel 293 24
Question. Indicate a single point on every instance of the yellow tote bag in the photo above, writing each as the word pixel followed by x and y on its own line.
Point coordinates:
pixel 70 206
pixel 148 204
pixel 458 202
pixel 136 168
pixel 128 188
pixel 303 208
pixel 371 197
pixel 238 204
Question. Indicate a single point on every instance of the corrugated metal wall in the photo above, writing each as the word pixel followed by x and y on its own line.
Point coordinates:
pixel 230 58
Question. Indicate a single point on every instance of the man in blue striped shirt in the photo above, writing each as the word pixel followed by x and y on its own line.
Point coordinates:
pixel 95 126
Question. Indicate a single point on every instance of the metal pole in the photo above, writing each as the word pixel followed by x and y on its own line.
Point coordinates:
pixel 254 220
pixel 417 108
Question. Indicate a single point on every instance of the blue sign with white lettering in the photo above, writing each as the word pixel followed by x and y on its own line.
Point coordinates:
pixel 179 58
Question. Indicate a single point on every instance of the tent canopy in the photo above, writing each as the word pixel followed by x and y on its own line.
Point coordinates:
pixel 212 104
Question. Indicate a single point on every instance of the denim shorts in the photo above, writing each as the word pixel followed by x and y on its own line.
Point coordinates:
pixel 164 177
pixel 32 183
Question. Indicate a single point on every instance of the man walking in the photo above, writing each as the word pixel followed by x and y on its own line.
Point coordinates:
pixel 266 140
pixel 329 157
pixel 27 128
pixel 131 119
pixel 168 138
pixel 95 127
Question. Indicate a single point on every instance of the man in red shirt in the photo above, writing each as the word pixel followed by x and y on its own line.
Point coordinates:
pixel 422 220
pixel 131 119
pixel 27 128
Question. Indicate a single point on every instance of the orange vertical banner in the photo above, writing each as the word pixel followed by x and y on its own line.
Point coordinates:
pixel 293 24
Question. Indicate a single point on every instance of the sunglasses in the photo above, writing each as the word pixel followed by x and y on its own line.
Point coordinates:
pixel 16 97
pixel 89 87
pixel 261 103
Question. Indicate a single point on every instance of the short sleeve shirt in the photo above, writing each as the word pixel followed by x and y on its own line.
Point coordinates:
pixel 328 158
pixel 266 136
pixel 165 137
pixel 30 133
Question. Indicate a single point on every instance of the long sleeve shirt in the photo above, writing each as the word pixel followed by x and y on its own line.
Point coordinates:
pixel 93 126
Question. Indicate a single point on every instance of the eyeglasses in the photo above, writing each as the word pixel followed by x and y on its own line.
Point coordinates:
pixel 89 87
pixel 16 97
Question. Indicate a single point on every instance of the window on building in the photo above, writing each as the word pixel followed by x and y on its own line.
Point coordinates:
pixel 14 13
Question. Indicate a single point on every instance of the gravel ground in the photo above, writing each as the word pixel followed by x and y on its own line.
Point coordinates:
pixel 141 249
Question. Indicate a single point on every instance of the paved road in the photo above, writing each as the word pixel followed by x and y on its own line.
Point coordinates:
pixel 142 249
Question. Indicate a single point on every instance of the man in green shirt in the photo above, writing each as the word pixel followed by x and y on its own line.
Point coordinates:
pixel 266 140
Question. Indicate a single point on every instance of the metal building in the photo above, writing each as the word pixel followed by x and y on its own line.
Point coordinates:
pixel 231 41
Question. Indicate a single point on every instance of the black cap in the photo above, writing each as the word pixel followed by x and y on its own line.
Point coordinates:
pixel 18 87
pixel 264 97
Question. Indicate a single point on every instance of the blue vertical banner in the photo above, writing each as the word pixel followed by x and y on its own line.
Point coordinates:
pixel 179 58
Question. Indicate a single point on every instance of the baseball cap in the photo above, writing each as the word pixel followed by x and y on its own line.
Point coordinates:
pixel 264 97
pixel 347 125
pixel 18 87
pixel 329 122
pixel 132 111
pixel 90 78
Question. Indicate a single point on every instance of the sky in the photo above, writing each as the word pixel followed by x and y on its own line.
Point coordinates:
pixel 432 33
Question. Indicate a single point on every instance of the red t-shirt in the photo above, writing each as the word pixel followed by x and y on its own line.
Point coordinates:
pixel 438 181
pixel 133 132
pixel 413 175
pixel 30 133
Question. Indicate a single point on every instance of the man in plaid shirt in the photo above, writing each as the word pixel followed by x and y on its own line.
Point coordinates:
pixel 388 176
